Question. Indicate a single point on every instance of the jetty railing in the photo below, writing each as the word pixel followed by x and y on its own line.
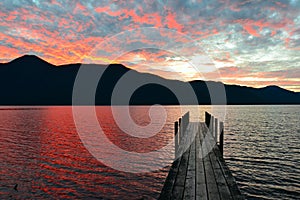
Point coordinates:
pixel 180 130
pixel 216 128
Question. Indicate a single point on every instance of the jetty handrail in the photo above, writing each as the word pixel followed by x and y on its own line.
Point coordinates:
pixel 215 128
pixel 180 127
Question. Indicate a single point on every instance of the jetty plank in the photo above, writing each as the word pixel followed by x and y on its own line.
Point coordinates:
pixel 190 183
pixel 201 190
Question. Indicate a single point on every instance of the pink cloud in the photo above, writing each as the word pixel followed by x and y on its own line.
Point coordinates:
pixel 172 22
pixel 251 30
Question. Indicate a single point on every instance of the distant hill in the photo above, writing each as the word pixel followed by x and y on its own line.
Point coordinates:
pixel 29 80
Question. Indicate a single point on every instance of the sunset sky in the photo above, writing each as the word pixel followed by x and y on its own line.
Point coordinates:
pixel 251 42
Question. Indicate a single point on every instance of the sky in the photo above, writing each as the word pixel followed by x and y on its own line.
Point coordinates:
pixel 252 42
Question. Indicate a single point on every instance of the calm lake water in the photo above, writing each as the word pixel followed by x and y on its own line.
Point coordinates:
pixel 41 151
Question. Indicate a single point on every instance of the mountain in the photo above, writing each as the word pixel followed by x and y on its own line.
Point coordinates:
pixel 29 80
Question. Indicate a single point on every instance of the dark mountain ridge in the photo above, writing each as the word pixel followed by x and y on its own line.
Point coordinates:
pixel 29 80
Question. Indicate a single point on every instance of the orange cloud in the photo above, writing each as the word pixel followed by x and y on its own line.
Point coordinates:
pixel 251 30
pixel 288 79
pixel 172 23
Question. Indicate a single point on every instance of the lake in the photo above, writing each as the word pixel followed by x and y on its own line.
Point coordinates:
pixel 44 152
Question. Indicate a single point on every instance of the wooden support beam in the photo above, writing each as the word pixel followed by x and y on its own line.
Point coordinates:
pixel 216 130
pixel 176 136
pixel 221 146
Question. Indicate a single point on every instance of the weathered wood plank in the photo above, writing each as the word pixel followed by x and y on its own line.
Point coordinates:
pixel 226 173
pixel 178 192
pixel 223 188
pixel 177 175
pixel 190 183
pixel 201 190
pixel 170 181
pixel 178 189
pixel 212 188
pixel 230 180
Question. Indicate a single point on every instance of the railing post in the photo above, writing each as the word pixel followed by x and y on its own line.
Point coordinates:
pixel 183 126
pixel 206 119
pixel 179 129
pixel 209 119
pixel 211 126
pixel 221 146
pixel 176 136
pixel 216 130
pixel 207 123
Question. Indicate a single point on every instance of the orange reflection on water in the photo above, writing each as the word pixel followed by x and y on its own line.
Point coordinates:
pixel 42 153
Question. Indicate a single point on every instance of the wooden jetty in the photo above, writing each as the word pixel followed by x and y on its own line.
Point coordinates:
pixel 199 170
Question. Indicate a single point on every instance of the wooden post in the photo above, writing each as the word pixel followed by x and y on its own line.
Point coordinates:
pixel 183 125
pixel 212 126
pixel 216 130
pixel 176 135
pixel 179 129
pixel 221 146
pixel 185 121
pixel 209 119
